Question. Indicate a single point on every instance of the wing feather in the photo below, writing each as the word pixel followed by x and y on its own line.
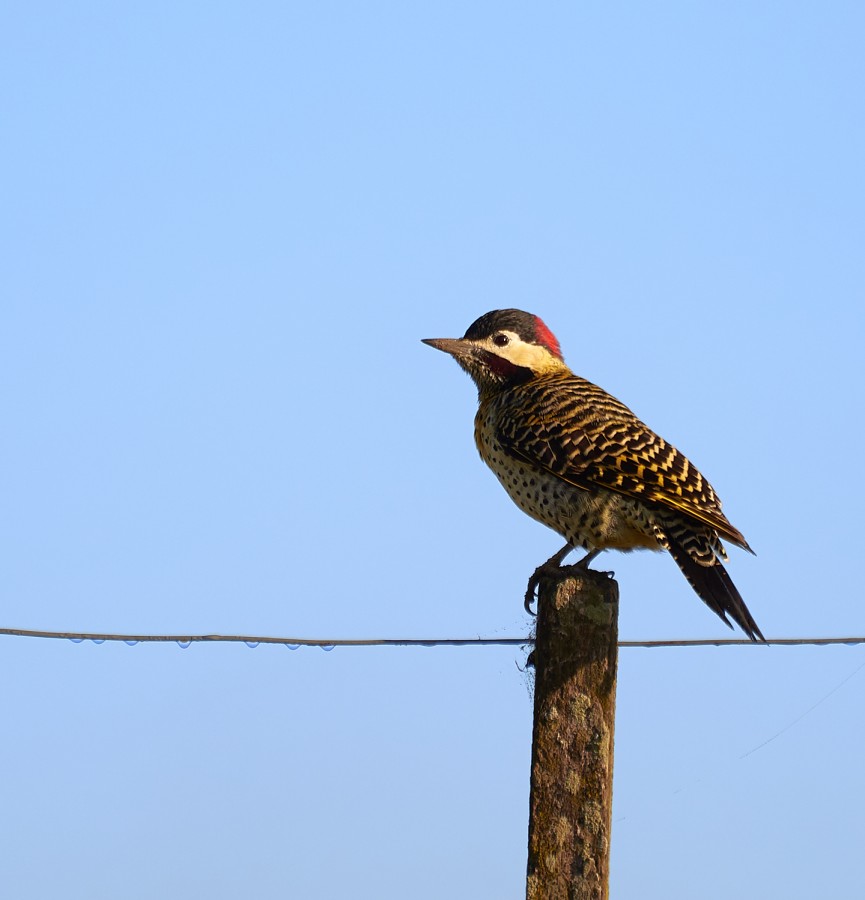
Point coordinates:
pixel 586 437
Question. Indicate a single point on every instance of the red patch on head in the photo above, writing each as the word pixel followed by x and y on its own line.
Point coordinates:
pixel 544 336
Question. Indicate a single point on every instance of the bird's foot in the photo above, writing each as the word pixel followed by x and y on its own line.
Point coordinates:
pixel 551 567
pixel 584 562
pixel 529 599
pixel 546 568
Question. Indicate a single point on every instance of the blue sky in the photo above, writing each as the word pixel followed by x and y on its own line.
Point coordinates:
pixel 225 229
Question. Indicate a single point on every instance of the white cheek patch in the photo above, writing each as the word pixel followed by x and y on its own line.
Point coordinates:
pixel 529 356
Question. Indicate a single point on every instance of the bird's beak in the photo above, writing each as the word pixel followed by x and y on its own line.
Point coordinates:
pixel 459 348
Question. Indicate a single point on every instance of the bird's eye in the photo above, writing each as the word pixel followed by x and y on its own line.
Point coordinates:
pixel 501 340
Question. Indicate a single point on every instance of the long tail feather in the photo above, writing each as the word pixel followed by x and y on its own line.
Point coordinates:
pixel 716 589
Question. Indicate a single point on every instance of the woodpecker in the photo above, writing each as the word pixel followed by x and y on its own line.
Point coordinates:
pixel 578 460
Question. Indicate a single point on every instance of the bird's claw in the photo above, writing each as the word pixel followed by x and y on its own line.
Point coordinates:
pixel 552 566
pixel 530 591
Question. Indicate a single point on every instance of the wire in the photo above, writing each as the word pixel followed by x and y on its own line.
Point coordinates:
pixel 810 709
pixel 330 643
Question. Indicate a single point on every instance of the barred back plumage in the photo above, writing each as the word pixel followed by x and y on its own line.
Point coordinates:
pixel 577 459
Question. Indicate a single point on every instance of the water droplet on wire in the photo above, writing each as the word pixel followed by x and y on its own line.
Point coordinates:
pixel 327 647
pixel 183 644
pixel 98 640
pixel 252 644
pixel 292 646
pixel 76 640
pixel 131 643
